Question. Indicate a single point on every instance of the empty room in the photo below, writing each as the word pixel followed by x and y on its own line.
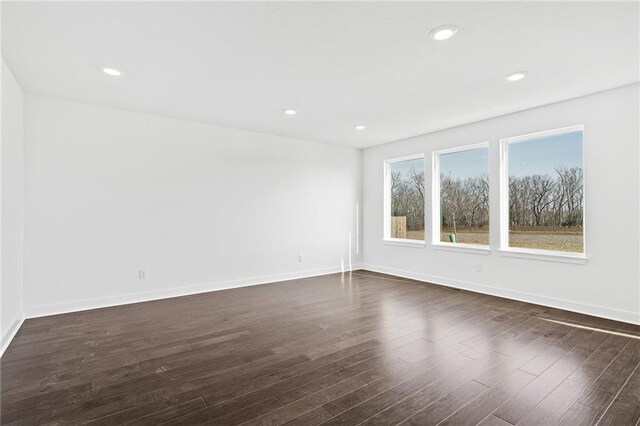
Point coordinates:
pixel 306 213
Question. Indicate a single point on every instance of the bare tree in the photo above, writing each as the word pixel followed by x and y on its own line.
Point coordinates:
pixel 542 188
pixel 570 186
pixel 407 197
pixel 547 201
pixel 450 200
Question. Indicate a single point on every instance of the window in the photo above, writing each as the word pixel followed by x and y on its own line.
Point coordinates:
pixel 461 196
pixel 404 199
pixel 543 192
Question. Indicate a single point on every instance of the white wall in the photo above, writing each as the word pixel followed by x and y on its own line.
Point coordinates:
pixel 199 207
pixel 608 284
pixel 12 189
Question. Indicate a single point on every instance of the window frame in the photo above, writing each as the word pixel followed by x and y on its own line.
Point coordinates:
pixel 529 253
pixel 386 236
pixel 436 201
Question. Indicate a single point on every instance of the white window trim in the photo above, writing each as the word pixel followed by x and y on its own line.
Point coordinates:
pixel 404 242
pixel 435 202
pixel 546 255
pixel 387 203
pixel 461 247
pixel 537 254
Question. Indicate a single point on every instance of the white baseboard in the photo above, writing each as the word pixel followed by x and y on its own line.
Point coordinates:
pixel 83 305
pixel 8 337
pixel 39 311
pixel 568 305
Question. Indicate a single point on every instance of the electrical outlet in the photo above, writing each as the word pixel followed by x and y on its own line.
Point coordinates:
pixel 299 258
pixel 478 267
pixel 142 274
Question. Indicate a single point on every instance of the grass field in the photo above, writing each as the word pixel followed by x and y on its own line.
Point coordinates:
pixel 547 240
pixel 550 239
pixel 465 236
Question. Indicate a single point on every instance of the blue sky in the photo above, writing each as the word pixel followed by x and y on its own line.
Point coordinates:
pixel 537 156
pixel 542 156
pixel 464 164
pixel 405 166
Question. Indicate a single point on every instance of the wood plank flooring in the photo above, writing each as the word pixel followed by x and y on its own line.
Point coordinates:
pixel 360 348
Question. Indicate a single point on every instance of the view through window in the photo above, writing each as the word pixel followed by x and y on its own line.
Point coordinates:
pixel 464 196
pixel 406 186
pixel 546 194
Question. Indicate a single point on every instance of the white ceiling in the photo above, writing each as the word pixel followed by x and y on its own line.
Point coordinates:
pixel 340 64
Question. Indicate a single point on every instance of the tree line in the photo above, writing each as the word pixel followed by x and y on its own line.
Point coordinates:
pixel 534 200
pixel 547 201
pixel 464 203
pixel 407 198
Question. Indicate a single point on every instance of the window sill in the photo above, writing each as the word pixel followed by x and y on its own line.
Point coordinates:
pixel 405 243
pixel 547 256
pixel 464 248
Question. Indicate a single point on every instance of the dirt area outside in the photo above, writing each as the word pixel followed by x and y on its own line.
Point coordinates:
pixel 569 240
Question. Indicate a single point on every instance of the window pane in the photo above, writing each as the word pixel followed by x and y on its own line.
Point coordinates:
pixel 407 199
pixel 464 197
pixel 546 193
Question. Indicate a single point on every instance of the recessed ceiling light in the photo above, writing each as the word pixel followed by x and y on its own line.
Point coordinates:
pixel 444 32
pixel 516 76
pixel 290 111
pixel 112 72
pixel 360 127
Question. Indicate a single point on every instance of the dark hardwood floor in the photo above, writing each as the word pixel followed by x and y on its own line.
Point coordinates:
pixel 362 348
